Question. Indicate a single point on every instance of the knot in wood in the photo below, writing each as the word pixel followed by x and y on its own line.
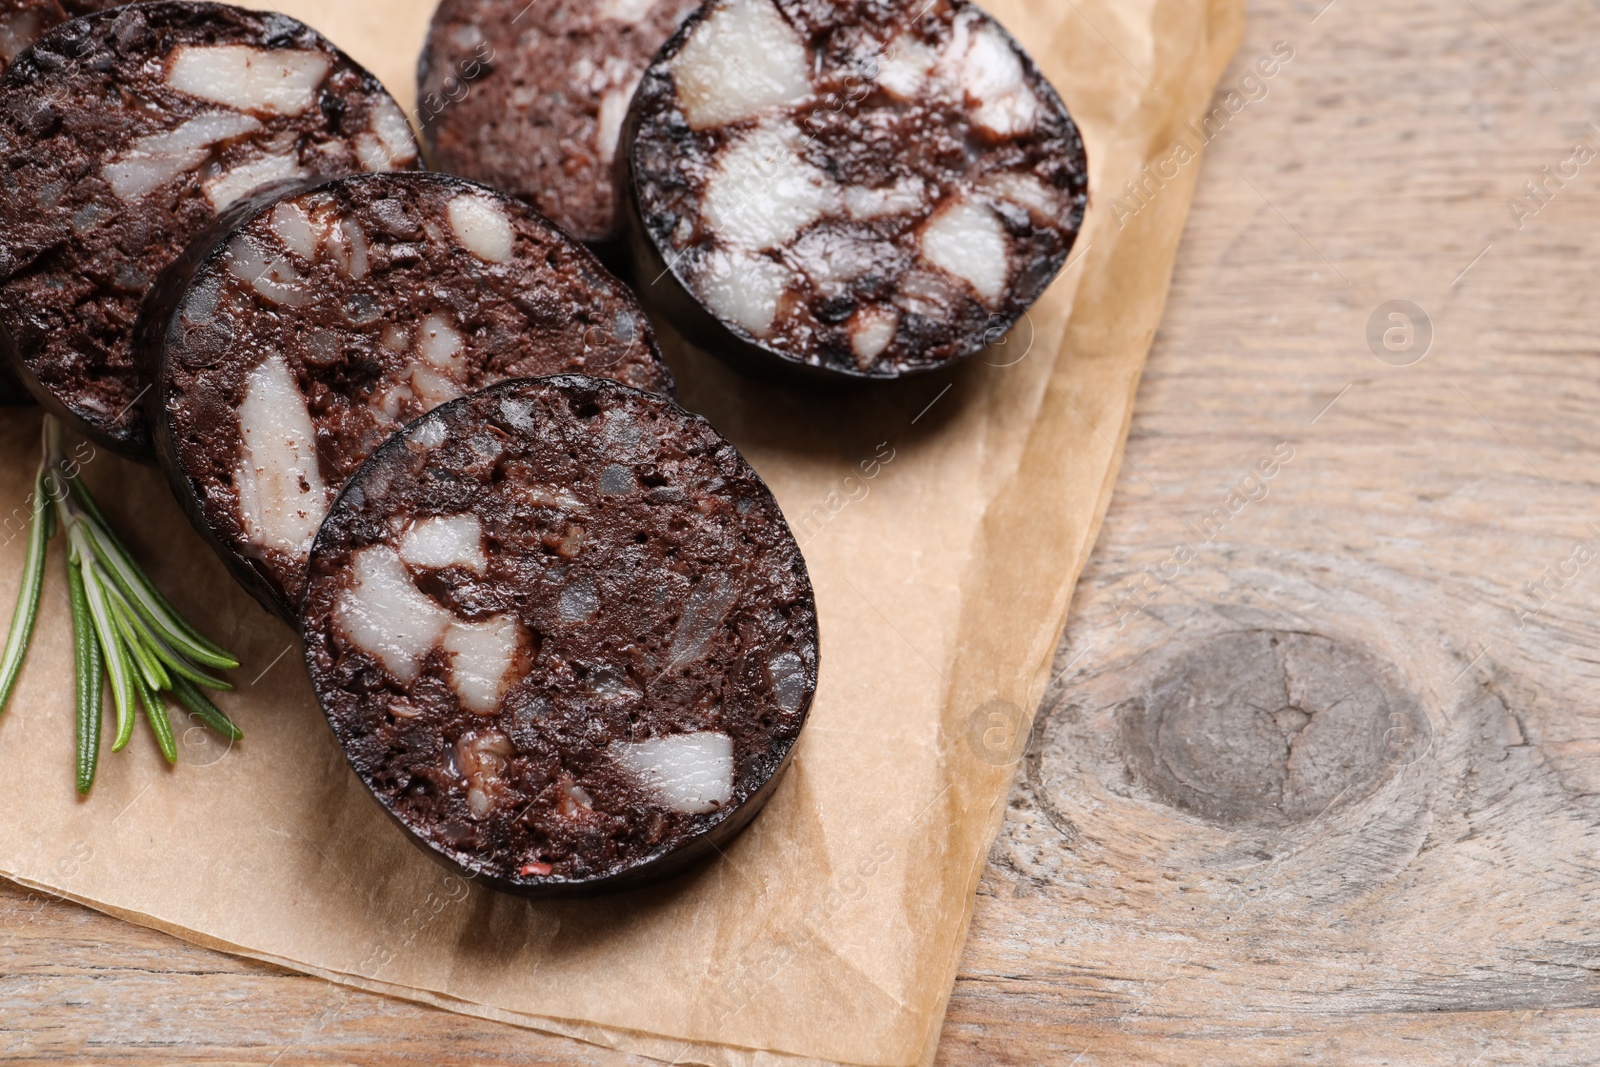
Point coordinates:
pixel 1269 727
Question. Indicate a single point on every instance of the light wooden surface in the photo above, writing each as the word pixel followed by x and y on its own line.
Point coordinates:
pixel 1324 791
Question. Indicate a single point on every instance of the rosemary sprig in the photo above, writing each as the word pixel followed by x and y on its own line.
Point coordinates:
pixel 123 628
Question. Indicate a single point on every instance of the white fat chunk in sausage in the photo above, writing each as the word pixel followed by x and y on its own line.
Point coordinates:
pixel 930 293
pixel 518 414
pixel 246 178
pixel 744 289
pixel 704 610
pixel 1025 191
pixel 689 773
pixel 275 278
pixel 992 75
pixel 952 58
pixel 277 81
pixel 586 74
pixel 395 338
pixel 575 801
pixel 871 331
pixel 392 400
pixel 617 480
pixel 481 758
pixel 358 264
pixel 831 258
pixel 384 615
pixel 440 344
pixel 282 497
pixel 433 387
pixel 762 193
pixel 613 112
pixel 345 243
pixel 904 67
pixel 445 541
pixel 905 196
pixel 631 11
pixel 428 435
pixel 550 496
pixel 481 656
pixel 611 685
pixel 579 601
pixel 741 60
pixel 389 145
pixel 482 226
pixel 965 239
pixel 293 227
pixel 788 674
pixel 371 153
pixel 158 158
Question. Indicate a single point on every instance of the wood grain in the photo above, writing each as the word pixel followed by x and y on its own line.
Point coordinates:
pixel 1317 781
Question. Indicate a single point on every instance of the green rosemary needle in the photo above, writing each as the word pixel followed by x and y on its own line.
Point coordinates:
pixel 201 705
pixel 123 629
pixel 90 681
pixel 40 527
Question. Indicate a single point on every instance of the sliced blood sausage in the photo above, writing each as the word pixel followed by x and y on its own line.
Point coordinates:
pixel 851 188
pixel 563 634
pixel 304 330
pixel 530 98
pixel 122 134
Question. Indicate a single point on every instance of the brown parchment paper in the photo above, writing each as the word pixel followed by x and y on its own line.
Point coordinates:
pixel 945 522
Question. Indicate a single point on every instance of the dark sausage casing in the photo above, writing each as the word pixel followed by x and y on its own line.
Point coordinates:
pixel 24 21
pixel 302 330
pixel 21 23
pixel 563 634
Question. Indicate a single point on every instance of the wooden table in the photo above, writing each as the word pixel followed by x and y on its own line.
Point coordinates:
pixel 1320 778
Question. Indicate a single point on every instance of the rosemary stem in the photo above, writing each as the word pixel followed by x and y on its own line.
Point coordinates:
pixel 22 620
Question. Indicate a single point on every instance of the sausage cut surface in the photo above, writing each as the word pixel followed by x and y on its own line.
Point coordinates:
pixel 855 188
pixel 123 134
pixel 530 98
pixel 290 345
pixel 563 634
